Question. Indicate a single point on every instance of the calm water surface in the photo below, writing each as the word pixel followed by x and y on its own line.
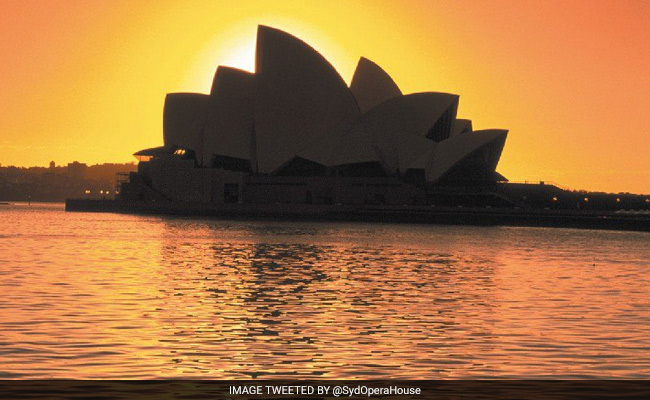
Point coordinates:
pixel 117 296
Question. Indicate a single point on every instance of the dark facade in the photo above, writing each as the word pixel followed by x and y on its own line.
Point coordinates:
pixel 293 132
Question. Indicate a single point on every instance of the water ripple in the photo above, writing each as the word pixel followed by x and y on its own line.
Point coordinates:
pixel 118 296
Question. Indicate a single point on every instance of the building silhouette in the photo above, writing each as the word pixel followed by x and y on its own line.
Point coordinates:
pixel 294 132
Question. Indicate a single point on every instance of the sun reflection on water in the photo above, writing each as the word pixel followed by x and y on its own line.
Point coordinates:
pixel 177 297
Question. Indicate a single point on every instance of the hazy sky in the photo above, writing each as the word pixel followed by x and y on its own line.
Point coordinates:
pixel 86 80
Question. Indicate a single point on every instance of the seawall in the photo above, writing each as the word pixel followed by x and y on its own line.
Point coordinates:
pixel 386 214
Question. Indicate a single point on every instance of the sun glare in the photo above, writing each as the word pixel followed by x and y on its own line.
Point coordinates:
pixel 242 55
pixel 235 47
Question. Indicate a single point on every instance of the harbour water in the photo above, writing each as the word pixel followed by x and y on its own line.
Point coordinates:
pixel 99 295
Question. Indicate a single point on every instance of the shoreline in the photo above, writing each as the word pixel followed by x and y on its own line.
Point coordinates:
pixel 628 221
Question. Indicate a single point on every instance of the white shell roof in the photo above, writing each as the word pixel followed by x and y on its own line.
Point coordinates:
pixel 371 85
pixel 461 126
pixel 183 119
pixel 382 127
pixel 356 147
pixel 452 151
pixel 229 121
pixel 300 99
pixel 411 149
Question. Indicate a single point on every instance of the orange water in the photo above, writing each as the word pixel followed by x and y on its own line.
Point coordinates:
pixel 88 295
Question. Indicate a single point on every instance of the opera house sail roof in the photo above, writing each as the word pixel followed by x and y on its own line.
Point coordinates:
pixel 295 115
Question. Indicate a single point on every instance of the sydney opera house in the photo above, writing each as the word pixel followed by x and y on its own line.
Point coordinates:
pixel 294 132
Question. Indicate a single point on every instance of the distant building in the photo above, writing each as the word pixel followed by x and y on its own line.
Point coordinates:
pixel 77 169
pixel 294 132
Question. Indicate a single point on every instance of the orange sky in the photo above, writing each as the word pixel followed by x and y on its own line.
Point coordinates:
pixel 86 80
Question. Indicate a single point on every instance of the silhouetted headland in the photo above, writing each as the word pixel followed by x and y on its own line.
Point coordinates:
pixel 56 183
